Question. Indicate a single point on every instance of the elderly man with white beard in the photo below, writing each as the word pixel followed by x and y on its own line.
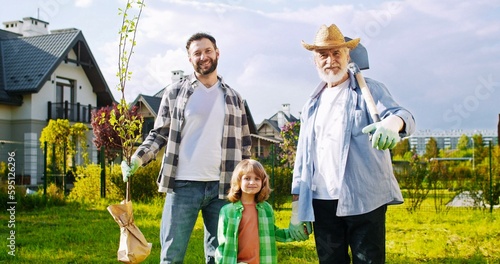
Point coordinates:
pixel 343 178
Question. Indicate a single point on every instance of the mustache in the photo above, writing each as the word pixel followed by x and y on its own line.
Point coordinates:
pixel 213 66
pixel 331 67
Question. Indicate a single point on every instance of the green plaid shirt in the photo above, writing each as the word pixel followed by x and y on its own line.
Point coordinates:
pixel 227 234
pixel 236 141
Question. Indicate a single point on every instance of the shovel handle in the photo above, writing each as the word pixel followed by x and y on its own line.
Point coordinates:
pixel 372 108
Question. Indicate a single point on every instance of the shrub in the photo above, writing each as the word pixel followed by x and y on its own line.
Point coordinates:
pixel 3 171
pixel 87 186
pixel 143 185
pixel 282 187
pixel 414 180
pixel 25 202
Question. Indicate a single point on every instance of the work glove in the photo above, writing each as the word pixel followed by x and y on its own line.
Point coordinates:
pixel 129 170
pixel 299 231
pixel 385 133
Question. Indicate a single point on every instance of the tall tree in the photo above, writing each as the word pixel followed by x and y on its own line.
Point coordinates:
pixel 463 142
pixel 104 134
pixel 431 149
pixel 121 118
pixel 63 142
pixel 401 148
pixel 480 152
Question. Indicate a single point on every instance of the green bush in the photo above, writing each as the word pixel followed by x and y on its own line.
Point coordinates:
pixel 87 185
pixel 3 171
pixel 26 202
pixel 281 182
pixel 143 188
pixel 143 183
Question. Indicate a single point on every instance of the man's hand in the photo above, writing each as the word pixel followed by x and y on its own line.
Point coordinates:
pixel 299 231
pixel 385 133
pixel 127 171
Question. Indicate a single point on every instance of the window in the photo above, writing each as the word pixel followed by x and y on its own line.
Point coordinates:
pixel 65 91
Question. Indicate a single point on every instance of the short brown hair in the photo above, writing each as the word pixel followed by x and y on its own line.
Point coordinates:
pixel 198 36
pixel 244 167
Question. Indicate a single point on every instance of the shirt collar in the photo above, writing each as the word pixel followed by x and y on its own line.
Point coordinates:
pixel 194 81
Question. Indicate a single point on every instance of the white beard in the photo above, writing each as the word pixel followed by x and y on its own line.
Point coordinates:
pixel 331 77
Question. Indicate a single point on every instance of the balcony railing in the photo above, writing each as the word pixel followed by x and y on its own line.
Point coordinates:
pixel 72 112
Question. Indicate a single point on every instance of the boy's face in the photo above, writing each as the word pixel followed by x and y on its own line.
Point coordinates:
pixel 251 183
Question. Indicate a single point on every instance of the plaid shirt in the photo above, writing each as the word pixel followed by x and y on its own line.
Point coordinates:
pixel 236 141
pixel 227 234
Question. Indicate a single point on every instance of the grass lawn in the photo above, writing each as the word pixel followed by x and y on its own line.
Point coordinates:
pixel 88 234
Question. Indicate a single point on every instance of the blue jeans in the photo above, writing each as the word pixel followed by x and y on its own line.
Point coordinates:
pixel 179 217
pixel 364 234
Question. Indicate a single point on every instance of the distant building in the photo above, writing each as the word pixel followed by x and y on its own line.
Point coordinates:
pixel 448 139
pixel 149 104
pixel 269 131
pixel 44 76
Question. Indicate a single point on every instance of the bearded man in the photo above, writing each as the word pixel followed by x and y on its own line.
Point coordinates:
pixel 203 125
pixel 343 178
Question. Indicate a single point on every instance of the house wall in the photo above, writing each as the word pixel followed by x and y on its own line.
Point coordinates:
pixel 83 90
pixel 35 105
pixel 5 132
pixel 5 113
pixel 266 130
pixel 25 134
pixel 144 111
pixel 38 102
pixel 5 118
pixel 263 145
pixel 22 112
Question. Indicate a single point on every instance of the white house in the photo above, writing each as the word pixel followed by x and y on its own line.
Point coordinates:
pixel 43 75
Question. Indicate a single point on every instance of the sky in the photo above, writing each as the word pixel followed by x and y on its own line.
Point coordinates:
pixel 439 59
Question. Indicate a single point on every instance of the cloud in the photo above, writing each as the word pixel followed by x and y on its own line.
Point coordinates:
pixel 83 3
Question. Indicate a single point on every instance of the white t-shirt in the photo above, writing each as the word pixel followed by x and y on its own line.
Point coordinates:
pixel 200 151
pixel 329 127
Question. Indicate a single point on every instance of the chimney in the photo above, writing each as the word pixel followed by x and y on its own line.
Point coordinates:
pixel 27 27
pixel 281 119
pixel 286 109
pixel 177 75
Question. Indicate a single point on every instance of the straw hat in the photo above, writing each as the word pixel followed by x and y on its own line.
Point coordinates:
pixel 330 38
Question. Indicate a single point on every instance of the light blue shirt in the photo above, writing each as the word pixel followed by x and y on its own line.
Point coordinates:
pixel 367 178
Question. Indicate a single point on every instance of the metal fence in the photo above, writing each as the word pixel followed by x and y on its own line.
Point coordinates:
pixel 72 112
pixel 27 162
pixel 423 188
